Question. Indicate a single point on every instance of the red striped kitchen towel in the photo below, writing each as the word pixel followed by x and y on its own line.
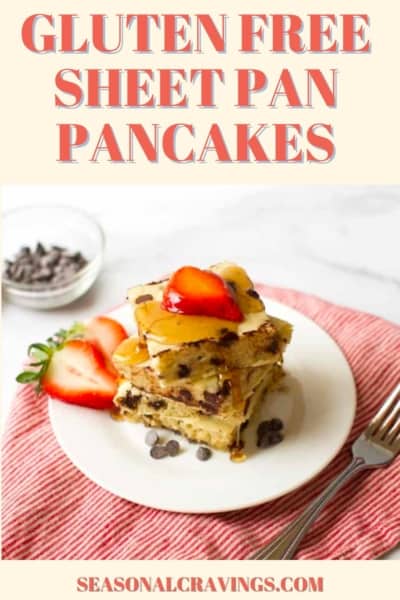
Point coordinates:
pixel 52 511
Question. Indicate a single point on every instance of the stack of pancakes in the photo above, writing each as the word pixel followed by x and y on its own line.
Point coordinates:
pixel 197 375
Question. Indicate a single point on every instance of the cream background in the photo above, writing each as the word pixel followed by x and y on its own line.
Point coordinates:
pixel 366 122
pixel 367 131
pixel 348 579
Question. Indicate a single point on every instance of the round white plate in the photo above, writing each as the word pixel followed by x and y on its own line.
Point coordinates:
pixel 317 406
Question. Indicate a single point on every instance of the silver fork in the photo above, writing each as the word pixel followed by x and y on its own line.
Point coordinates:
pixel 376 447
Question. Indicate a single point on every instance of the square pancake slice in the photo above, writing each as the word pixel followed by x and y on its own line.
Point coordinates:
pixel 176 346
pixel 219 429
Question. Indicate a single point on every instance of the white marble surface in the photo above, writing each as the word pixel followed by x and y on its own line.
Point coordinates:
pixel 341 243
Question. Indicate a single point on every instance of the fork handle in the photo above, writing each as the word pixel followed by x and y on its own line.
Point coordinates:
pixel 284 546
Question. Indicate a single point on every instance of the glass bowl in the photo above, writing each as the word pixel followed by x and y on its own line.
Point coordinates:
pixel 61 226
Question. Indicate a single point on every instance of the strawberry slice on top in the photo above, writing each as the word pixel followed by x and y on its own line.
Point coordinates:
pixel 193 291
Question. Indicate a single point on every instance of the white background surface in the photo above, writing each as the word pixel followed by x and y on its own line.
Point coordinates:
pixel 341 243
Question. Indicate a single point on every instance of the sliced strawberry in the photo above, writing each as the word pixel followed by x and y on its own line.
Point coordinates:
pixel 192 291
pixel 77 374
pixel 105 333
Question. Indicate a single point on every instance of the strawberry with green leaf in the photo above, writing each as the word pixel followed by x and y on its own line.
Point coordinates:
pixel 75 364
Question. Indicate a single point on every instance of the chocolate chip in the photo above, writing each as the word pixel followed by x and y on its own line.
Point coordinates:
pixel 208 409
pixel 268 433
pixel 216 361
pixel 211 397
pixel 253 293
pixel 158 452
pixel 143 298
pixel 275 437
pixel 228 338
pixel 271 425
pixel 131 401
pixel 263 440
pixel 212 402
pixel 276 424
pixel 18 274
pixel 226 387
pixel 40 249
pixel 43 275
pixel 41 265
pixel 28 274
pixel 173 448
pixel 151 438
pixel 183 370
pixel 49 260
pixel 185 395
pixel 157 404
pixel 263 427
pixel 203 453
pixel 273 346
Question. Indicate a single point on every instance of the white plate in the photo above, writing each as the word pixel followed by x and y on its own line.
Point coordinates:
pixel 317 407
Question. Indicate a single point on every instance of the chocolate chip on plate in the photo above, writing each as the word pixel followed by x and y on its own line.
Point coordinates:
pixel 262 428
pixel 269 438
pixel 275 424
pixel 173 447
pixel 203 453
pixel 263 440
pixel 275 437
pixel 159 452
pixel 271 425
pixel 151 438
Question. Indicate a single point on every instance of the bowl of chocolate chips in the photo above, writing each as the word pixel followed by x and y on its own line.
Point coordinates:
pixel 52 255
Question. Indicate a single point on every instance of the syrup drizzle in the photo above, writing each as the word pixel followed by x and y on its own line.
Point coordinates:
pixel 171 328
pixel 236 453
pixel 115 414
pixel 131 352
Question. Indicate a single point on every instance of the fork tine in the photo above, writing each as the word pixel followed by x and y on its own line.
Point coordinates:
pixel 394 432
pixel 388 424
pixel 384 412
